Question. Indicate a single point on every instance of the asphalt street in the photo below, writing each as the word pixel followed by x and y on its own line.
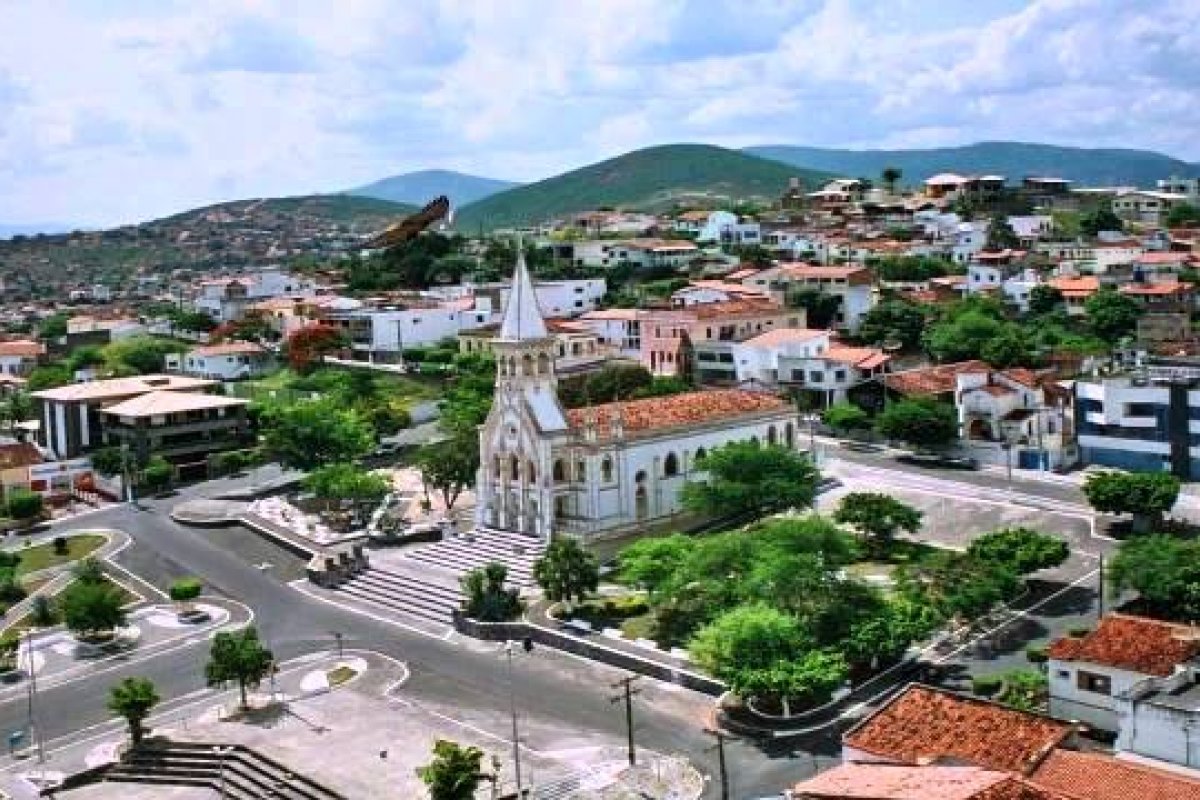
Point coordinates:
pixel 557 694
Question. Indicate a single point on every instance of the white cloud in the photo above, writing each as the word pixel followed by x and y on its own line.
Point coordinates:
pixel 113 112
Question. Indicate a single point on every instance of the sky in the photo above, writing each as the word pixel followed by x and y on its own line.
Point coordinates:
pixel 115 111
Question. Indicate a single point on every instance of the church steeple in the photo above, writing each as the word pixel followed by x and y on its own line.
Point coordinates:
pixel 522 317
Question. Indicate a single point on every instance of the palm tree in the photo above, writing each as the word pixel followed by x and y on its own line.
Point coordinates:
pixel 890 175
pixel 132 699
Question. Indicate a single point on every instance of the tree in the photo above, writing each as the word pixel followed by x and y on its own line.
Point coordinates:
pixel 921 422
pixel 889 176
pixel 963 334
pixel 309 345
pixel 111 460
pixel 89 609
pixel 1102 219
pixel 846 418
pixel 1111 314
pixel 893 320
pixel 652 563
pixel 1019 549
pixel 567 571
pixel 486 598
pixel 454 773
pixel 1164 571
pixel 956 585
pixel 746 477
pixel 820 308
pixel 50 376
pixel 185 591
pixel 1044 299
pixel 22 504
pixel 89 571
pixel 132 699
pixel 1145 495
pixel 1000 235
pixel 1184 215
pixel 347 482
pixel 53 326
pixel 140 355
pixel 449 467
pixel 310 433
pixel 157 473
pixel 240 658
pixel 878 516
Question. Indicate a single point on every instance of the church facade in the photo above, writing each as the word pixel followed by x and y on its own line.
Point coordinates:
pixel 604 470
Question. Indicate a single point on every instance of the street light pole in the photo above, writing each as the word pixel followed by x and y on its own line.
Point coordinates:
pixel 512 704
pixel 35 733
pixel 627 684
pixel 720 736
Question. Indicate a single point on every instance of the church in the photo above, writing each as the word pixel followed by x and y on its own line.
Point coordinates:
pixel 605 470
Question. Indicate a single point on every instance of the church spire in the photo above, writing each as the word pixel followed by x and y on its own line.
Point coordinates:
pixel 522 317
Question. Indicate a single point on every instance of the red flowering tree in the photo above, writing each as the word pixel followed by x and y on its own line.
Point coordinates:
pixel 307 346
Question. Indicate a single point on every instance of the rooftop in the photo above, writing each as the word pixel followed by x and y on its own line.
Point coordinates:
pixel 822 272
pixel 22 454
pixel 939 379
pixel 924 723
pixel 689 408
pixel 156 404
pixel 1156 289
pixel 785 336
pixel 1092 776
pixel 23 348
pixel 229 349
pixel 1082 286
pixel 891 782
pixel 1138 644
pixel 860 357
pixel 117 388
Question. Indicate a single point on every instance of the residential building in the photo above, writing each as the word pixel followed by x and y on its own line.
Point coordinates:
pixel 1015 417
pixel 1146 207
pixel 230 361
pixel 561 298
pixel 1122 673
pixel 287 314
pixel 600 471
pixel 226 299
pixel 1075 292
pixel 672 339
pixel 646 253
pixel 704 291
pixel 726 228
pixel 1075 775
pixel 1146 421
pixel 619 328
pixel 69 416
pixel 1188 187
pixel 853 286
pixel 808 361
pixel 19 357
pixel 1166 296
pixel 930 782
pixel 939 381
pixel 88 330
pixel 183 427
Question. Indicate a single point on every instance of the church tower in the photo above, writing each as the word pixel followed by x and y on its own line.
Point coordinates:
pixel 514 488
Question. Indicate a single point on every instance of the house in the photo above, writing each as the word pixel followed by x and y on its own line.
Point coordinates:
pixel 704 291
pixel 69 416
pixel 646 253
pixel 83 330
pixel 726 228
pixel 1167 296
pixel 619 328
pixel 183 427
pixel 226 299
pixel 1141 421
pixel 673 339
pixel 1090 674
pixel 230 361
pixel 922 724
pixel 1013 417
pixel 287 314
pixel 1095 776
pixel 1146 207
pixel 939 381
pixel 931 782
pixel 807 360
pixel 19 357
pixel 600 471
pixel 1075 292
pixel 15 461
pixel 854 286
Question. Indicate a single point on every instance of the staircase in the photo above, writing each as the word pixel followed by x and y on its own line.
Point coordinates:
pixel 461 554
pixel 404 592
pixel 236 771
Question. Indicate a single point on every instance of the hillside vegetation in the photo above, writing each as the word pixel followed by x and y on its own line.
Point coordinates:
pixel 1014 160
pixel 418 188
pixel 649 178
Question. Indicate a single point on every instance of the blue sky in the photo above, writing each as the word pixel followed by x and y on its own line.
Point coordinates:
pixel 120 110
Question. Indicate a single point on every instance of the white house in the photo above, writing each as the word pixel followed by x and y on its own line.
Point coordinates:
pixel 808 360
pixel 854 286
pixel 1012 417
pixel 724 227
pixel 599 471
pixel 620 328
pixel 224 362
pixel 671 253
pixel 18 358
pixel 226 299
pixel 1102 678
pixel 565 298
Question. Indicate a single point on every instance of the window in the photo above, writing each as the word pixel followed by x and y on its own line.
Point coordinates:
pixel 606 470
pixel 580 471
pixel 840 376
pixel 560 471
pixel 671 466
pixel 1091 682
pixel 816 377
pixel 1063 674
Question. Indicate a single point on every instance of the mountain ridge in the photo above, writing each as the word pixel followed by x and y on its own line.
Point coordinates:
pixel 419 187
pixel 1084 166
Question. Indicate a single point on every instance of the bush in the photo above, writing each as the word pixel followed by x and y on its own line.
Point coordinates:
pixel 1037 654
pixel 42 612
pixel 986 685
pixel 186 590
pixel 413 353
pixel 23 504
pixel 60 546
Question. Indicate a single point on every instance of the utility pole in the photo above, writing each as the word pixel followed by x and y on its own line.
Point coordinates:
pixel 1100 590
pixel 720 747
pixel 629 692
pixel 512 704
pixel 35 732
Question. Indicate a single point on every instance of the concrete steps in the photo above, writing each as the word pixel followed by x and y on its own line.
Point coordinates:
pixel 461 554
pixel 234 770
pixel 404 593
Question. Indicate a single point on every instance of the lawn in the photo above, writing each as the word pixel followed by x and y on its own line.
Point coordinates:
pixel 630 613
pixel 26 622
pixel 43 556
pixel 283 383
pixel 899 552
pixel 339 675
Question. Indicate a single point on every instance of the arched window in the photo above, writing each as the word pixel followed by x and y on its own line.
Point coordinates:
pixel 514 468
pixel 543 364
pixel 531 471
pixel 772 436
pixel 789 435
pixel 560 471
pixel 606 469
pixel 671 466
pixel 580 471
pixel 527 364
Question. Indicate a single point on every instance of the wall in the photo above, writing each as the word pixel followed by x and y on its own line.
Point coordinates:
pixel 1069 702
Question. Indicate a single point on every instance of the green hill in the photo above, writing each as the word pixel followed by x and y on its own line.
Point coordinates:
pixel 644 179
pixel 421 187
pixel 366 212
pixel 1014 160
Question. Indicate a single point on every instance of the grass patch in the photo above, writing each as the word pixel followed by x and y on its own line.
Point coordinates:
pixel 26 622
pixel 44 556
pixel 340 675
pixel 630 613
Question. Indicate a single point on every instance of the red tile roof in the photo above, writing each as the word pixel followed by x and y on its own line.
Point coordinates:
pixel 1138 644
pixel 924 723
pixel 743 306
pixel 22 347
pixel 1083 286
pixel 689 408
pixel 17 455
pixel 1156 289
pixel 938 379
pixel 229 349
pixel 785 335
pixel 1022 376
pixel 1092 776
pixel 802 271
pixel 1019 789
pixel 892 782
pixel 861 357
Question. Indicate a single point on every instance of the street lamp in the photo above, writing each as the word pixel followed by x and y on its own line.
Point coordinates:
pixel 527 644
pixel 1006 446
